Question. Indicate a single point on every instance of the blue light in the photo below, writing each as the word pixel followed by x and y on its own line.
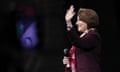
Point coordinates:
pixel 29 38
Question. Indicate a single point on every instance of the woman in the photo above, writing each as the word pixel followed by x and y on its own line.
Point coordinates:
pixel 85 51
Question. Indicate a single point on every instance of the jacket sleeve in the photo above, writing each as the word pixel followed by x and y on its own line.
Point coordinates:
pixel 87 42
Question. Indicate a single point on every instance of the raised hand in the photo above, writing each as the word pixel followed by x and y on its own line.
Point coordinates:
pixel 69 14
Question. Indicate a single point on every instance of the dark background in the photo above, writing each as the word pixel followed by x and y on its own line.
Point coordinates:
pixel 47 57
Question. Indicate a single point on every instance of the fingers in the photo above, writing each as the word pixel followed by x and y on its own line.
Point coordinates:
pixel 73 13
pixel 65 60
pixel 72 8
pixel 70 13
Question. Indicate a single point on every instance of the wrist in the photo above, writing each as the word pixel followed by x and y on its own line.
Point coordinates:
pixel 69 25
pixel 68 22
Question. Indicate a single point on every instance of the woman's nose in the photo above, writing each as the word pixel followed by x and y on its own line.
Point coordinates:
pixel 76 23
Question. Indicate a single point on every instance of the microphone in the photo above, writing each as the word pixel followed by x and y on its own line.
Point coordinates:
pixel 66 53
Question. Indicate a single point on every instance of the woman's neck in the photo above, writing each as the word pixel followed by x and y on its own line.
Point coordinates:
pixel 86 31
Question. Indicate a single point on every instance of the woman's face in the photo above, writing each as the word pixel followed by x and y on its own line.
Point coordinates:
pixel 81 25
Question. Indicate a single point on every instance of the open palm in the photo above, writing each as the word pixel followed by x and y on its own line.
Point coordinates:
pixel 70 13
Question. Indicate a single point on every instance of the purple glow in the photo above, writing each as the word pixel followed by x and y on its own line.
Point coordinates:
pixel 29 37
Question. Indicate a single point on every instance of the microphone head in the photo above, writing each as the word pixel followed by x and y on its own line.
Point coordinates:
pixel 66 52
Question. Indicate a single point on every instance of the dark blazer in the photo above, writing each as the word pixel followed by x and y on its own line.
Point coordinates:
pixel 87 50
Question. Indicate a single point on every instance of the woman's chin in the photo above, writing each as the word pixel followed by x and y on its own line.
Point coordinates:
pixel 79 30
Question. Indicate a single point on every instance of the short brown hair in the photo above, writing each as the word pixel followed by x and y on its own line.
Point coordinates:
pixel 89 16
